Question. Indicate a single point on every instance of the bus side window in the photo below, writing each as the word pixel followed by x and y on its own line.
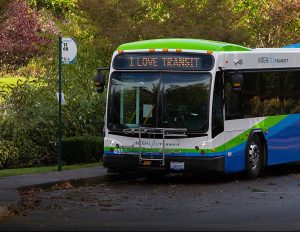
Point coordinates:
pixel 233 109
pixel 217 107
pixel 292 93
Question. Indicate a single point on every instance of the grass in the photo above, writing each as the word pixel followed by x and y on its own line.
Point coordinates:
pixel 8 83
pixel 24 171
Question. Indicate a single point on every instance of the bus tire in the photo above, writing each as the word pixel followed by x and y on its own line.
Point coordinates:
pixel 254 157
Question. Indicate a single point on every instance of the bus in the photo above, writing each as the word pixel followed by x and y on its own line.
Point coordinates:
pixel 191 105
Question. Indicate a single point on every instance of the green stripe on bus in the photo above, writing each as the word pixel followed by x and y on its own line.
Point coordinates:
pixel 168 150
pixel 190 44
pixel 266 124
pixel 243 137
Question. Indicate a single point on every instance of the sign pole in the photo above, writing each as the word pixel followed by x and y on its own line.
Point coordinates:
pixel 67 51
pixel 59 102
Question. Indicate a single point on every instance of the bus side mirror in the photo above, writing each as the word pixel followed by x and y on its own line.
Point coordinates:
pixel 100 80
pixel 236 80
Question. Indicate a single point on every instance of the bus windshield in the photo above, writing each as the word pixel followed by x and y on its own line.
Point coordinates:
pixel 159 100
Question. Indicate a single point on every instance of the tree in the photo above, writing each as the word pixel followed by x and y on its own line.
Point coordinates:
pixel 3 5
pixel 19 35
pixel 28 116
pixel 246 22
pixel 125 21
pixel 57 7
pixel 272 23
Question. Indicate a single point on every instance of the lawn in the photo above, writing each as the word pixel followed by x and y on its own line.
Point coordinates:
pixel 8 83
pixel 23 171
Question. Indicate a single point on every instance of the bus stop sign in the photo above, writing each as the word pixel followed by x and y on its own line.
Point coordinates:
pixel 69 51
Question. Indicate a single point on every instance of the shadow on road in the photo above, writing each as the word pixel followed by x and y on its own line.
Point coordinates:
pixel 284 169
pixel 210 178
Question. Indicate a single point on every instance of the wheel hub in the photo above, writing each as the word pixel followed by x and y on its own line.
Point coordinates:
pixel 253 155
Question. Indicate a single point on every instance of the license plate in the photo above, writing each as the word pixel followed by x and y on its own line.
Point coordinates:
pixel 147 162
pixel 177 166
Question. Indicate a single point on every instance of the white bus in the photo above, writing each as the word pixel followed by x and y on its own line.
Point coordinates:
pixel 189 105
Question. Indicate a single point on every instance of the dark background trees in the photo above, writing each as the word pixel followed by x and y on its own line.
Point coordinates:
pixel 247 22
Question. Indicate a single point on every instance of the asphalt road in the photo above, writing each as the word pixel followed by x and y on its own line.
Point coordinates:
pixel 228 202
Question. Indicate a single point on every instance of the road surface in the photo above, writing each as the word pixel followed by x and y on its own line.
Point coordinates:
pixel 182 202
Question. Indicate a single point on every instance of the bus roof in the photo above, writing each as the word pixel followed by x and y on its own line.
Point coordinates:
pixel 191 44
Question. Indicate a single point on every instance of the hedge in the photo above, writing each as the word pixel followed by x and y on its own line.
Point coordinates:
pixel 82 149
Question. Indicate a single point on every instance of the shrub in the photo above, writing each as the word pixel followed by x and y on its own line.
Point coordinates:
pixel 29 154
pixel 82 149
pixel 28 115
pixel 28 120
pixel 8 154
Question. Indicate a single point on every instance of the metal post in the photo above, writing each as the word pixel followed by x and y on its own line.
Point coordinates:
pixel 59 103
pixel 164 145
pixel 140 145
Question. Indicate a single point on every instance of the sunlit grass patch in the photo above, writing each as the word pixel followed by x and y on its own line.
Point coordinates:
pixel 24 171
pixel 8 83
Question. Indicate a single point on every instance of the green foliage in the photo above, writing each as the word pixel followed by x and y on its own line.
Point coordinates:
pixel 58 7
pixel 8 154
pixel 246 22
pixel 29 125
pixel 268 23
pixel 82 149
pixel 29 114
pixel 8 83
pixel 149 19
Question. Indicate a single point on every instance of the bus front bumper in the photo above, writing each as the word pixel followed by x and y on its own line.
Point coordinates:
pixel 191 164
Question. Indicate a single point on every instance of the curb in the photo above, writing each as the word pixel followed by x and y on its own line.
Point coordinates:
pixel 13 198
pixel 77 182
pixel 11 186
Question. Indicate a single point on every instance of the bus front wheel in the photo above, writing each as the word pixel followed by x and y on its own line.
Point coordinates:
pixel 254 157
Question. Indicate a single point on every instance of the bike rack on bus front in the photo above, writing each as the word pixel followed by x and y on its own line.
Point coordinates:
pixel 164 132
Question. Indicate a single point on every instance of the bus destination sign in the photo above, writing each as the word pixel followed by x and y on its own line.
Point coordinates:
pixel 163 61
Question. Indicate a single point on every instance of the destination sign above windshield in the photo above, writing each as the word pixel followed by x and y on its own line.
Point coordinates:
pixel 163 61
